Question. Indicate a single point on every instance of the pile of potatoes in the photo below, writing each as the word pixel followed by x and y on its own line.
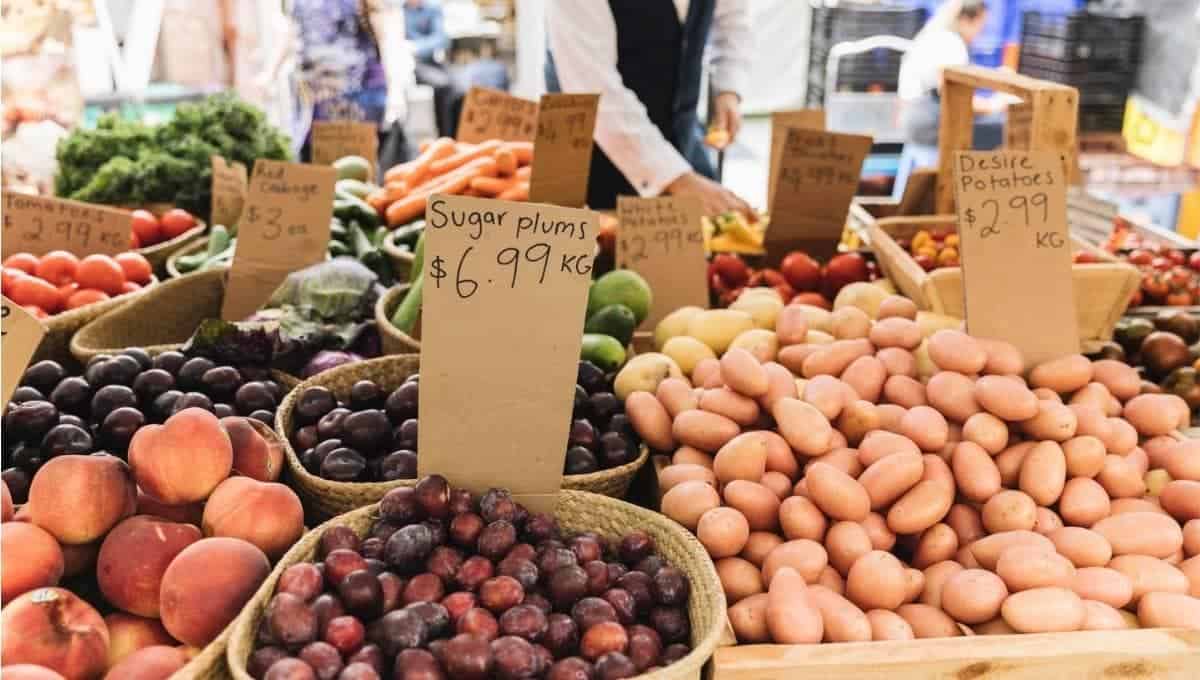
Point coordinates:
pixel 880 484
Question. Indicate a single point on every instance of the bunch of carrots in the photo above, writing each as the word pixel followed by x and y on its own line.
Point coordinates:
pixel 491 169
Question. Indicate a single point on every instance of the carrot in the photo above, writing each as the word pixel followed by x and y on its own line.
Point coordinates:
pixel 422 166
pixel 398 172
pixel 524 172
pixel 519 192
pixel 463 157
pixel 492 186
pixel 506 160
pixel 424 145
pixel 523 151
pixel 396 190
pixel 406 209
pixel 378 200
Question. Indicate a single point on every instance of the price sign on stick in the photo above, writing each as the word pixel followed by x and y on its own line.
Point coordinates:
pixel 1016 250
pixel 818 176
pixel 334 139
pixel 284 227
pixel 562 150
pixel 39 224
pixel 492 114
pixel 662 239
pixel 505 290
pixel 228 191
pixel 21 335
pixel 813 119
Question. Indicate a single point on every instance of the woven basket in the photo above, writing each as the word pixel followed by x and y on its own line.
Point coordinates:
pixel 394 341
pixel 61 328
pixel 324 498
pixel 402 260
pixel 576 512
pixel 160 321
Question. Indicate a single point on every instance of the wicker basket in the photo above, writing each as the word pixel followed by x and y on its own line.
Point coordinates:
pixel 402 260
pixel 324 498
pixel 161 321
pixel 576 512
pixel 393 340
pixel 61 328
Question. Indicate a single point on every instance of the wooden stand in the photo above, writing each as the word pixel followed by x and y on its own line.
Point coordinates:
pixel 1053 113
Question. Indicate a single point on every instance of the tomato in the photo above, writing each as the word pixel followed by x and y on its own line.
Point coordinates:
pixel 1179 298
pixel 811 298
pixel 129 287
pixel 100 272
pixel 24 261
pixel 1141 256
pixel 67 290
pixel 136 267
pixel 37 312
pixel 146 228
pixel 801 271
pixel 33 291
pixel 134 241
pixel 57 267
pixel 10 276
pixel 86 296
pixel 176 221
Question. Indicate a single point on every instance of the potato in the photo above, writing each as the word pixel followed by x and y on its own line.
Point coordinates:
pixel 987 431
pixel 1044 610
pixel 1103 585
pixel 688 500
pixel 761 343
pixel 677 473
pixel 803 426
pixel 743 457
pixel 1003 358
pixel 1182 461
pixel 1024 567
pixel 1150 574
pixel 895 332
pixel 954 350
pixel 834 359
pixel 975 472
pixel 792 616
pixel 1191 535
pixel 936 544
pixel 843 621
pixel 748 617
pixel 926 427
pixel 1181 498
pixel 882 538
pixel 836 493
pixel 743 372
pixel 643 373
pixel 723 401
pixel 876 581
pixel 1085 456
pixel 1062 375
pixel 1169 610
pixel 674 324
pixel 805 557
pixel 759 545
pixel 707 373
pixel 1119 377
pixel 865 375
pixel 879 444
pixel 860 295
pixel 973 595
pixel 1123 437
pixel 816 318
pixel 686 352
pixel 1009 462
pixel 987 549
pixel 1009 510
pixel 688 455
pixel 1053 421
pixel 723 532
pixel 857 419
pixel 827 394
pixel 763 309
pixel 677 396
pixel 898 361
pixel 936 576
pixel 718 327
pixel 1084 547
pixel 1141 533
pixel 1101 616
pixel 897 306
pixel 1120 478
pixel 740 579
pixel 778 483
pixel 1006 397
pixel 904 391
pixel 890 477
pixel 799 518
pixel 928 622
pixel 703 430
pixel 651 420
pixel 816 337
pixel 1084 502
pixel 1044 473
pixel 791 325
pixel 966 522
pixel 1151 414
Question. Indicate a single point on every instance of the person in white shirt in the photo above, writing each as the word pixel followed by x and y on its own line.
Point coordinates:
pixel 944 41
pixel 646 58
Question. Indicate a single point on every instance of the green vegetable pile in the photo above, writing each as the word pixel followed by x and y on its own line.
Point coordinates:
pixel 124 162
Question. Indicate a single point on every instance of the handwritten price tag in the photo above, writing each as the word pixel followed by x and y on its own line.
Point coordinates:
pixel 492 114
pixel 39 224
pixel 818 176
pixel 813 119
pixel 662 239
pixel 284 227
pixel 1016 250
pixel 334 139
pixel 228 191
pixel 22 333
pixel 562 150
pixel 505 291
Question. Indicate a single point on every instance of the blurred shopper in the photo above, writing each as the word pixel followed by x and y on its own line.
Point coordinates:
pixel 944 41
pixel 646 59
pixel 424 26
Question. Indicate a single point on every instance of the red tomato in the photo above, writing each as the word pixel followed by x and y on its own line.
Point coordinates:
pixel 33 291
pixel 146 228
pixel 137 268
pixel 57 267
pixel 10 276
pixel 100 272
pixel 24 261
pixel 67 290
pixel 86 296
pixel 129 287
pixel 801 271
pixel 37 312
pixel 175 222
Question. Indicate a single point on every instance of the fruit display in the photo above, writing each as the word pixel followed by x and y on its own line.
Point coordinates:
pixel 150 229
pixel 60 281
pixel 799 277
pixel 54 414
pixel 731 232
pixel 122 567
pixel 449 585
pixel 1170 276
pixel 875 481
pixel 933 248
pixel 491 169
pixel 1164 349
pixel 372 435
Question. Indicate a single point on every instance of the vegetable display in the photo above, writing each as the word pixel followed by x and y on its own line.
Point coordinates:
pixel 120 162
pixel 472 587
pixel 799 277
pixel 1164 351
pixel 856 479
pixel 1170 276
pixel 150 229
pixel 59 281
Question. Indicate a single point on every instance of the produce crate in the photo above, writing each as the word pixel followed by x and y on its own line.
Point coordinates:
pixel 1082 26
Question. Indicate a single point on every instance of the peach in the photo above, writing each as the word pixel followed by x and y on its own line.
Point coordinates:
pixel 28 671
pixel 79 558
pixel 29 558
pixel 128 633
pixel 6 504
pixel 53 627
pixel 157 662
pixel 79 498
pixel 189 513
pixel 134 557
pixel 206 586
pixel 182 460
pixel 267 514
pixel 254 455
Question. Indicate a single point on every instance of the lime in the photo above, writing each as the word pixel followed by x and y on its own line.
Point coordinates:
pixel 603 350
pixel 621 287
pixel 615 320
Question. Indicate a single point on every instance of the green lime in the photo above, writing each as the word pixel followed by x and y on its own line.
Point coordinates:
pixel 621 287
pixel 603 350
pixel 618 321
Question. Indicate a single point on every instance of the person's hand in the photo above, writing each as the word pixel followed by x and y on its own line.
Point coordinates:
pixel 714 198
pixel 727 116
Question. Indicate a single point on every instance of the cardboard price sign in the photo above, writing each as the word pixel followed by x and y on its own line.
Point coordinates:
pixel 228 191
pixel 818 176
pixel 1016 250
pixel 22 333
pixel 284 227
pixel 492 114
pixel 812 119
pixel 562 150
pixel 662 239
pixel 334 139
pixel 39 224
pixel 505 290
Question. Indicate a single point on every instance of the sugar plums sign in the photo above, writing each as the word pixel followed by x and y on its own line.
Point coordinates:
pixel 504 296
pixel 20 337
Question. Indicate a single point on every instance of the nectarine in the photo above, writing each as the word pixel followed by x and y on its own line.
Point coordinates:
pixel 134 557
pixel 128 633
pixel 267 514
pixel 79 498
pixel 254 455
pixel 182 460
pixel 29 558
pixel 150 663
pixel 6 504
pixel 206 586
pixel 53 627
pixel 189 513
pixel 28 671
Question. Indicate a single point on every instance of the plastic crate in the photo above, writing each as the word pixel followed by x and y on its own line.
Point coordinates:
pixel 1074 68
pixel 855 22
pixel 1082 26
pixel 1101 118
pixel 1082 50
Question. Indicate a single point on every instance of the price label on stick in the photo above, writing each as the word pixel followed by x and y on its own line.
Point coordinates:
pixel 818 177
pixel 21 335
pixel 228 191
pixel 39 224
pixel 492 114
pixel 662 239
pixel 1016 250
pixel 334 139
pixel 562 150
pixel 504 293
pixel 284 227
pixel 812 119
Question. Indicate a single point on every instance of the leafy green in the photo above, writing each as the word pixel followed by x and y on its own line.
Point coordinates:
pixel 231 344
pixel 329 305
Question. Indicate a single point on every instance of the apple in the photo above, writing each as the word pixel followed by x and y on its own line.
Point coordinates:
pixel 801 271
pixel 1194 260
pixel 1141 256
